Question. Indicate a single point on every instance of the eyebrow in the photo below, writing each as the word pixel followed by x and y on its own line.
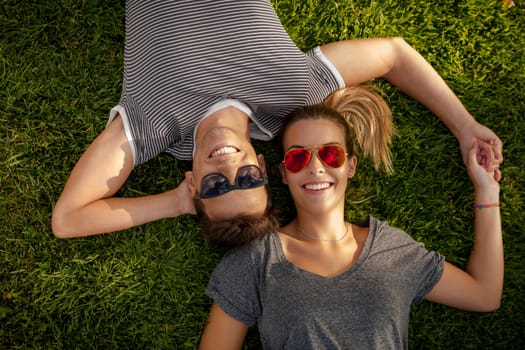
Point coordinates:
pixel 324 144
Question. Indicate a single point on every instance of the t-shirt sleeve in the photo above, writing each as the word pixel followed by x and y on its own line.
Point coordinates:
pixel 431 265
pixel 417 267
pixel 143 137
pixel 233 286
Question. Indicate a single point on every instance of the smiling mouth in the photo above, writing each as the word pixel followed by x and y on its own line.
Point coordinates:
pixel 223 150
pixel 317 186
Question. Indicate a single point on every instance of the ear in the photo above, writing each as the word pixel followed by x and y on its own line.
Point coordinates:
pixel 189 181
pixel 352 166
pixel 282 170
pixel 262 164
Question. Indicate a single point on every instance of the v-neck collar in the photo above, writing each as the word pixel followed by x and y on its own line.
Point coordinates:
pixel 278 246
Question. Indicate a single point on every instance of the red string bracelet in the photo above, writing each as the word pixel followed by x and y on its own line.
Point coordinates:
pixel 485 205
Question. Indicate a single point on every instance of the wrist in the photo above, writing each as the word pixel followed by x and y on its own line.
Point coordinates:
pixel 180 201
pixel 464 130
pixel 486 205
pixel 173 203
pixel 486 197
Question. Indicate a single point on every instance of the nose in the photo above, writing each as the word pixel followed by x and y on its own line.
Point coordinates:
pixel 315 166
pixel 228 167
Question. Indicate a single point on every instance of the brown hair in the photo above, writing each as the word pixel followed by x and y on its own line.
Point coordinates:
pixel 238 230
pixel 364 117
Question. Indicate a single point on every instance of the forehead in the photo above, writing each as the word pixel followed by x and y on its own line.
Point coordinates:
pixel 235 203
pixel 313 132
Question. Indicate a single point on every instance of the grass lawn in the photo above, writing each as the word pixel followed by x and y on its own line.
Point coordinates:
pixel 61 72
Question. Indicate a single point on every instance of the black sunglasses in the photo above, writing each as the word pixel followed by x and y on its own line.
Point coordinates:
pixel 216 184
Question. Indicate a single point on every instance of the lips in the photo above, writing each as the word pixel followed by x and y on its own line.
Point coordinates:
pixel 317 186
pixel 223 150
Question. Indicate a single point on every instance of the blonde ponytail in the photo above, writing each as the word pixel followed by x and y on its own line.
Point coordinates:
pixel 369 118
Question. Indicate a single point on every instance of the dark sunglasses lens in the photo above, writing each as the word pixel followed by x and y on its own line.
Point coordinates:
pixel 249 176
pixel 333 156
pixel 296 159
pixel 214 185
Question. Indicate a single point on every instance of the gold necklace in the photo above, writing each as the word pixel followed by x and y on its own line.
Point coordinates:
pixel 313 238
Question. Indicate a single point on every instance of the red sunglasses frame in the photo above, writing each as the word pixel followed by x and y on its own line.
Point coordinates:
pixel 340 160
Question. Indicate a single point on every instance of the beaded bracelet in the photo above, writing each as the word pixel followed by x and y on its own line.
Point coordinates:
pixel 486 205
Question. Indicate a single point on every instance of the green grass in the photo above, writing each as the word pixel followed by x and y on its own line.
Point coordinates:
pixel 60 73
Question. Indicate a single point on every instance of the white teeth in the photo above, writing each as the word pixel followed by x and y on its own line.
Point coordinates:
pixel 317 187
pixel 224 150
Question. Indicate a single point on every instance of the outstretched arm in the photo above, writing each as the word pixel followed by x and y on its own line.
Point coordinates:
pixel 87 206
pixel 393 59
pixel 479 288
pixel 222 331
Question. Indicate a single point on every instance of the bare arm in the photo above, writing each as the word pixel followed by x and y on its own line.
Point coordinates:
pixel 479 288
pixel 222 331
pixel 86 206
pixel 393 59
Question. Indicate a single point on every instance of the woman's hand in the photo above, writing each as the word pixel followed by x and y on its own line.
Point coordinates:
pixel 488 147
pixel 482 172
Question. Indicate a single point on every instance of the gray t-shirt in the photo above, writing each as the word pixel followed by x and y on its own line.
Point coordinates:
pixel 366 307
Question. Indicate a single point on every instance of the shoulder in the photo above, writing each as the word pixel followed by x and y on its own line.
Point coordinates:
pixel 252 254
pixel 382 228
pixel 234 284
pixel 385 237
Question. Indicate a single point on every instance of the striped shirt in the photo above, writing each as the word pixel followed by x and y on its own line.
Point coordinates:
pixel 183 57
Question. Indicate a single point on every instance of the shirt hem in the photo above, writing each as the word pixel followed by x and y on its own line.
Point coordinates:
pixel 120 110
pixel 338 77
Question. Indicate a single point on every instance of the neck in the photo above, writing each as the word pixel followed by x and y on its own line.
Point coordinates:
pixel 322 228
pixel 229 117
